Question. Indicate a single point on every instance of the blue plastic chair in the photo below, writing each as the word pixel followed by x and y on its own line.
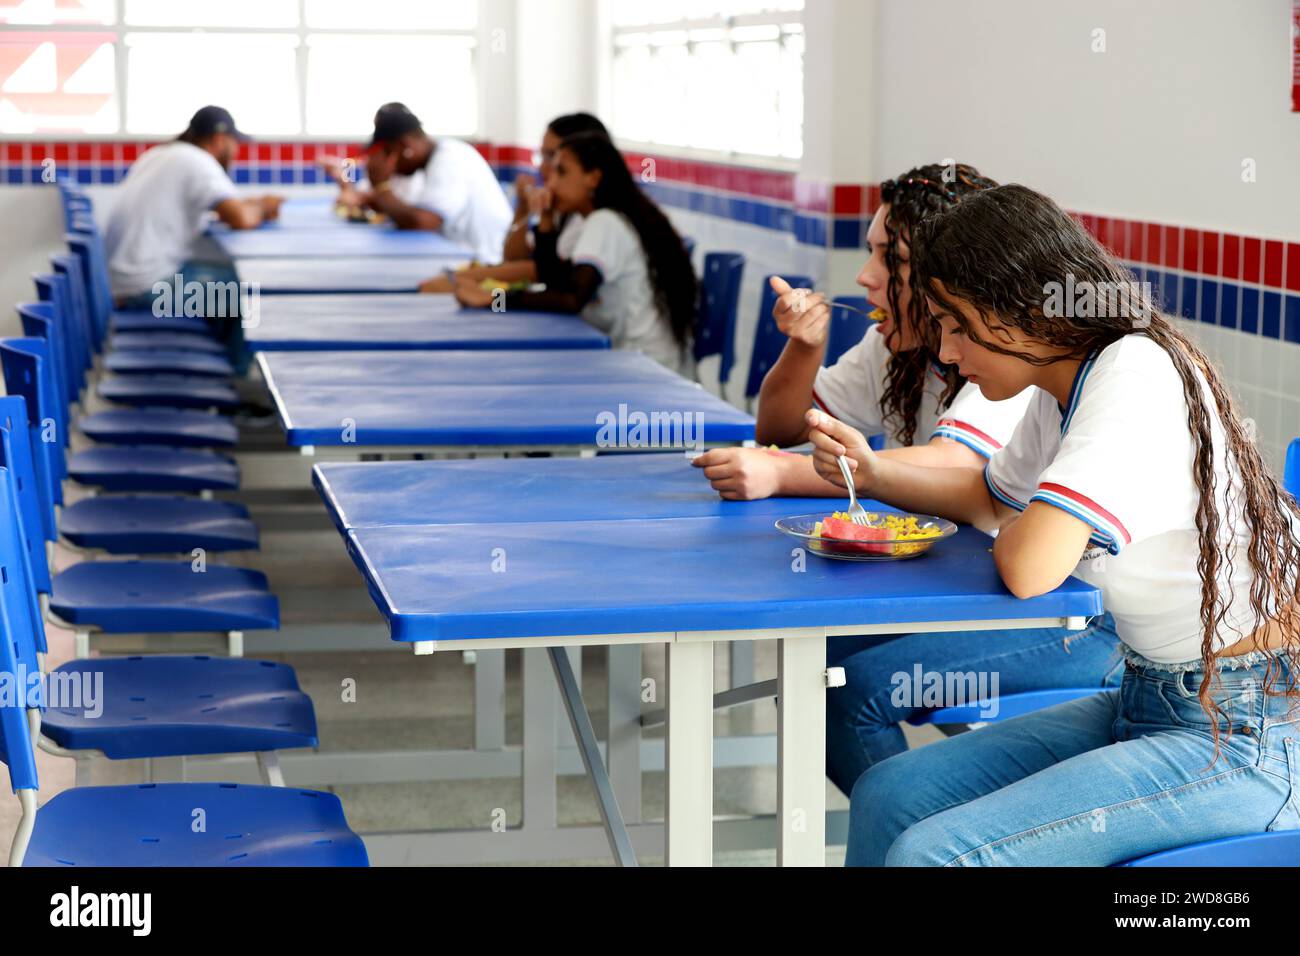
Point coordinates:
pixel 147 825
pixel 52 289
pixel 1291 469
pixel 846 328
pixel 769 341
pixel 715 332
pixel 1275 848
pixel 182 341
pixel 167 362
pixel 169 391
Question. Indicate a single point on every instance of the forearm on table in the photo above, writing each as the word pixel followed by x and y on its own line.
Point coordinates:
pixel 786 395
pixel 799 478
pixel 405 216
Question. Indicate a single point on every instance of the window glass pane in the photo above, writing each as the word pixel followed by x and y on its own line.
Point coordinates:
pixel 212 13
pixel 350 76
pixel 262 92
pixel 57 82
pixel 393 14
pixel 45 12
pixel 670 11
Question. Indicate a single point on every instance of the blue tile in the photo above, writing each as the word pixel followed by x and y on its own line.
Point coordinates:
pixel 1209 301
pixel 241 175
pixel 264 176
pixel 1291 325
pixel 85 175
pixel 14 175
pixel 1271 318
pixel 1250 309
pixel 1168 286
pixel 784 220
pixel 1187 305
pixel 106 174
pixel 1229 305
pixel 310 175
pixel 848 233
pixel 286 175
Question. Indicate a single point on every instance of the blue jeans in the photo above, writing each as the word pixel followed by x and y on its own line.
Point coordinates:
pixel 202 271
pixel 1092 782
pixel 863 717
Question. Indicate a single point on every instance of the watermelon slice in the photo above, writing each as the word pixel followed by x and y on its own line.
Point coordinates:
pixel 842 530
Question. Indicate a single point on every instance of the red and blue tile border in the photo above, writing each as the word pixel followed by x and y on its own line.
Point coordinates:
pixel 1247 283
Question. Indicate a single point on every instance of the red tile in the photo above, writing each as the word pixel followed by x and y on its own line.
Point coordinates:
pixel 14 154
pixel 1210 253
pixel 846 200
pixel 1191 250
pixel 1273 262
pixel 245 151
pixel 308 152
pixel 1153 243
pixel 265 153
pixel 1293 266
pixel 85 152
pixel 1103 231
pixel 38 152
pixel 1137 234
pixel 1089 223
pixel 1251 249
pixel 1231 256
pixel 873 198
pixel 1171 246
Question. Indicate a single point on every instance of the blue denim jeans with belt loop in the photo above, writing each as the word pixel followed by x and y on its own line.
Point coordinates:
pixel 201 271
pixel 1095 781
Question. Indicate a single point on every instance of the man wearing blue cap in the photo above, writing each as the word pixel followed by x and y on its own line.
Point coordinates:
pixel 160 210
pixel 442 185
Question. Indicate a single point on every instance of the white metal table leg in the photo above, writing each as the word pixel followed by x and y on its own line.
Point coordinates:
pixel 623 735
pixel 801 752
pixel 540 698
pixel 689 755
pixel 740 658
pixel 490 700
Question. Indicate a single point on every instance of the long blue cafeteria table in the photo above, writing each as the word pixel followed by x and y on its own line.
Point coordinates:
pixel 616 561
pixel 289 323
pixel 289 276
pixel 335 239
pixel 568 405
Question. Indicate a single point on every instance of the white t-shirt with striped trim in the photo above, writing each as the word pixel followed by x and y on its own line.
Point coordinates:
pixel 851 390
pixel 1119 457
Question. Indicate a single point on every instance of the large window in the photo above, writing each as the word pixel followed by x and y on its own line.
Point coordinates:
pixel 719 75
pixel 282 67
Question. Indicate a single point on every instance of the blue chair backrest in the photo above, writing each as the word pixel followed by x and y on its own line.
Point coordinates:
pixel 69 266
pixel 26 373
pixel 715 332
pixel 99 298
pixel 39 322
pixel 16 439
pixel 1274 848
pixel 847 328
pixel 1291 471
pixel 15 635
pixel 36 567
pixel 769 341
pixel 53 289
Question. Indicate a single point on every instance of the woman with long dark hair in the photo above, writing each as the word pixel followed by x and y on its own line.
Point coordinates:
pixel 892 381
pixel 630 275
pixel 1134 470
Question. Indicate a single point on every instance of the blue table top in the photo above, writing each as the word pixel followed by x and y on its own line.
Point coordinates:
pixel 488 490
pixel 446 582
pixel 335 276
pixel 447 367
pixel 330 236
pixel 306 323
pixel 540 415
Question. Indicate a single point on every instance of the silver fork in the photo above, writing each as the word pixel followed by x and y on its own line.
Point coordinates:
pixel 850 308
pixel 857 513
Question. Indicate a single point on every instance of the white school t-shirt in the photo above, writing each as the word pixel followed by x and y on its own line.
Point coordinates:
pixel 624 305
pixel 1119 457
pixel 160 211
pixel 851 390
pixel 567 240
pixel 459 185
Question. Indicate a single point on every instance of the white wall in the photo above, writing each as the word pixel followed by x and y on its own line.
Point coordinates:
pixel 1154 128
pixel 33 231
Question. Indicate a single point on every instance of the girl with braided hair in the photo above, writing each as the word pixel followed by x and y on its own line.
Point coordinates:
pixel 892 381
pixel 1134 470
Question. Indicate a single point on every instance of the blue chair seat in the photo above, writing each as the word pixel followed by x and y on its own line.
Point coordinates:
pixel 153 468
pixel 180 427
pixel 145 321
pixel 1009 705
pixel 152 825
pixel 165 706
pixel 151 597
pixel 158 525
pixel 153 361
pixel 1276 848
pixel 175 391
pixel 187 341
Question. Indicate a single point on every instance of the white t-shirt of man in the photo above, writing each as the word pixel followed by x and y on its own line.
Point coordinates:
pixel 851 390
pixel 1119 457
pixel 160 211
pixel 624 305
pixel 459 185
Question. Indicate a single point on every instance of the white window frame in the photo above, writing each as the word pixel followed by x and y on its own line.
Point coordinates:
pixel 610 33
pixel 479 39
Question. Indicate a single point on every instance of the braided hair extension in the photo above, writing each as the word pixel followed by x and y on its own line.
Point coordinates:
pixel 997 252
pixel 913 197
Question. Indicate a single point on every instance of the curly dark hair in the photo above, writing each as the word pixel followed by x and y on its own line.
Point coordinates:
pixel 998 252
pixel 913 197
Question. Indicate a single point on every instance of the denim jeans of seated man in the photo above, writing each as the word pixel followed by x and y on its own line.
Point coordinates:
pixel 205 273
pixel 863 716
pixel 1093 782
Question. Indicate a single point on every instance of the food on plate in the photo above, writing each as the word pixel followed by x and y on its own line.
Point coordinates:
pixel 492 285
pixel 881 536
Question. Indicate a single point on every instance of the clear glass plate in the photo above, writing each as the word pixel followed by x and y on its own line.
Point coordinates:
pixel 801 527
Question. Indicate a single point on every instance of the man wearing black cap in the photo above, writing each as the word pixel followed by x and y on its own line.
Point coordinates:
pixel 160 210
pixel 442 185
